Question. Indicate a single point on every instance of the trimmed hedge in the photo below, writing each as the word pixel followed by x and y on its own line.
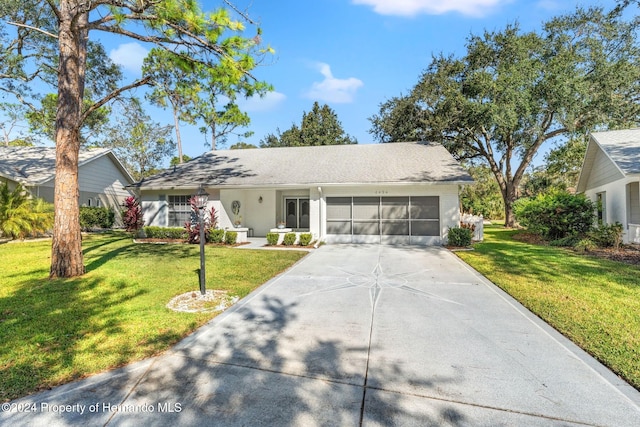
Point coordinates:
pixel 460 236
pixel 305 239
pixel 216 236
pixel 153 232
pixel 272 238
pixel 95 217
pixel 289 239
pixel 231 237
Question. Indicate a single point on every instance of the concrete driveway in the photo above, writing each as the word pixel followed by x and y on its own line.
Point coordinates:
pixel 357 335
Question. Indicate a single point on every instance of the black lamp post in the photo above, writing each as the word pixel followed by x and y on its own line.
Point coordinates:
pixel 202 197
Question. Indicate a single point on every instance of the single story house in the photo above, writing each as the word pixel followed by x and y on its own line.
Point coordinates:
pixel 403 193
pixel 101 177
pixel 610 176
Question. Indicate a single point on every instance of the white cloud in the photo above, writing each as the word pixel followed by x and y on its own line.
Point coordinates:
pixel 430 7
pixel 129 56
pixel 268 102
pixel 332 89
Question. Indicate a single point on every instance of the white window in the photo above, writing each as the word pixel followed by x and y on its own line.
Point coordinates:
pixel 179 210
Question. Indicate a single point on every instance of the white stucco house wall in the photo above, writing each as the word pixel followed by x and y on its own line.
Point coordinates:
pixel 102 178
pixel 610 176
pixel 404 193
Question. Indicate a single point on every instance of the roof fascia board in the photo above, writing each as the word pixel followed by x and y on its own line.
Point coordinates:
pixel 580 187
pixel 120 166
pixel 304 185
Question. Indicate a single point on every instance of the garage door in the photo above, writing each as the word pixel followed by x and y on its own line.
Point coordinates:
pixel 401 220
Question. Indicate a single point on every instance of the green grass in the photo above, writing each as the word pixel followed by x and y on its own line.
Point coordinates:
pixel 55 331
pixel 594 302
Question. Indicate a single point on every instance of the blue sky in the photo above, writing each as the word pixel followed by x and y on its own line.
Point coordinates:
pixel 352 54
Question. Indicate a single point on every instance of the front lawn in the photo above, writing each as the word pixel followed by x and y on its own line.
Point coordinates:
pixel 594 302
pixel 55 331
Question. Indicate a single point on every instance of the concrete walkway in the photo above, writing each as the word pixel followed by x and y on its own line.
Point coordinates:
pixel 356 335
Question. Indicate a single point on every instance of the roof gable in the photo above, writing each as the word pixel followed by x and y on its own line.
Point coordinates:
pixel 316 165
pixel 610 156
pixel 36 165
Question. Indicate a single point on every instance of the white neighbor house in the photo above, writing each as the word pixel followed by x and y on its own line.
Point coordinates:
pixel 101 177
pixel 403 193
pixel 611 176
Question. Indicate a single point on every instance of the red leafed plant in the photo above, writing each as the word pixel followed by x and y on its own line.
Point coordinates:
pixel 193 225
pixel 132 215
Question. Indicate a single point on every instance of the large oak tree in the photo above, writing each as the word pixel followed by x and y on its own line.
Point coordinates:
pixel 513 91
pixel 33 29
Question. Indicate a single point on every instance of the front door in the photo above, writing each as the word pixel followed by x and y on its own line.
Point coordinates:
pixel 296 212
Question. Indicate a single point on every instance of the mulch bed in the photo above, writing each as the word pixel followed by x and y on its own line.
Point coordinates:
pixel 533 239
pixel 628 254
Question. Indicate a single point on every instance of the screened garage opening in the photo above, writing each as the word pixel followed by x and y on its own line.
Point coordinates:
pixel 397 220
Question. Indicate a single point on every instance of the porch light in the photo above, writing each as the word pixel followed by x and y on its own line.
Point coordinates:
pixel 202 197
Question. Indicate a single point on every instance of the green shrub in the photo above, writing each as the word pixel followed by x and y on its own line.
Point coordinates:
pixel 153 232
pixel 305 239
pixel 272 238
pixel 607 235
pixel 585 245
pixel 231 237
pixel 95 217
pixel 216 236
pixel 569 241
pixel 175 233
pixel 460 236
pixel 289 239
pixel 556 214
pixel 21 216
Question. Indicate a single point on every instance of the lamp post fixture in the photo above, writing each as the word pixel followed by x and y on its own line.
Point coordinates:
pixel 202 197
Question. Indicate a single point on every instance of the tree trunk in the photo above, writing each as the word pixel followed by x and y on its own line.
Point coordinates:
pixel 176 122
pixel 66 249
pixel 213 136
pixel 509 196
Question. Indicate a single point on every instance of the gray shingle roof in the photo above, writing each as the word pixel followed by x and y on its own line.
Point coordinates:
pixel 623 147
pixel 36 165
pixel 318 165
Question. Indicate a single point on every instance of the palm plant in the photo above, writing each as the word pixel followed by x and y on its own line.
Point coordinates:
pixel 22 216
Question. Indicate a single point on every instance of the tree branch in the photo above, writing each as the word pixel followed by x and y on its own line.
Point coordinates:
pixel 54 8
pixel 20 98
pixel 97 24
pixel 114 95
pixel 17 24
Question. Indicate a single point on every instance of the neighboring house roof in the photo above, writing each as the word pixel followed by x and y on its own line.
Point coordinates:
pixel 622 148
pixel 33 166
pixel 391 163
